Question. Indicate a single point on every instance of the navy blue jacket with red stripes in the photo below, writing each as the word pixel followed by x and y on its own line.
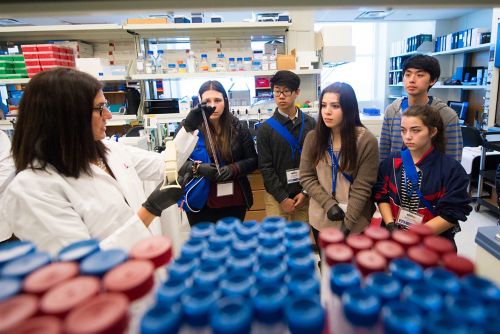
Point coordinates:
pixel 443 183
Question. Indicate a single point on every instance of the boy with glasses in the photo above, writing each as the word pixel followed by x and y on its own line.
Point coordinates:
pixel 279 145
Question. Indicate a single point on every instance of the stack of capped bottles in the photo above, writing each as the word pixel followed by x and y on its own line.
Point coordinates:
pixel 234 277
pixel 404 282
pixel 84 289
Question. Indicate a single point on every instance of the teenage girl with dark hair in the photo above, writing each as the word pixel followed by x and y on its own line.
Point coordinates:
pixel 337 164
pixel 229 193
pixel 422 185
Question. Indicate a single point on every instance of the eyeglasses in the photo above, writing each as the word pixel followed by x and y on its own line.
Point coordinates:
pixel 286 93
pixel 101 108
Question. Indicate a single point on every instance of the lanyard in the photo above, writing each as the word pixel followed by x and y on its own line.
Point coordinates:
pixel 292 141
pixel 335 168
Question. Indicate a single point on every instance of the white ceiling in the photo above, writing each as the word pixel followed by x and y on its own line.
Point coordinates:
pixel 322 15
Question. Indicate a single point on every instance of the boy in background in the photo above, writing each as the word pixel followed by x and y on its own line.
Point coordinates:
pixel 420 73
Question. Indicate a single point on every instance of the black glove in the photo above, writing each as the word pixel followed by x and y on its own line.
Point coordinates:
pixel 226 174
pixel 159 200
pixel 195 118
pixel 207 170
pixel 335 213
pixel 185 173
pixel 345 230
pixel 390 226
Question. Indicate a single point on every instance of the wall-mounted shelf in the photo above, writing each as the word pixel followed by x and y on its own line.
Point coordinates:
pixel 462 87
pixel 463 50
pixel 21 81
pixel 215 74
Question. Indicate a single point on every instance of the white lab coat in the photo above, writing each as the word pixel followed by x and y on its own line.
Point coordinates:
pixel 53 210
pixel 7 172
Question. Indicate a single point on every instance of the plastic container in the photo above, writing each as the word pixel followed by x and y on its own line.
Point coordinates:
pixel 377 233
pixel 423 256
pixel 406 270
pixel 439 245
pixel 204 65
pixel 106 313
pixel 160 63
pixel 237 284
pixel 444 322
pixel 467 309
pixel 162 318
pixel 241 261
pixel 338 253
pixel 424 296
pixel 389 249
pixel 215 253
pixel 442 280
pixel 386 287
pixel 182 268
pixel 15 311
pixel 228 223
pixel 77 251
pixel 296 228
pixel 182 68
pixel 150 63
pixel 359 242
pixel 401 317
pixel 239 64
pixel 421 230
pixel 405 238
pixel 171 291
pixel 300 260
pixel 369 261
pixel 60 300
pixel 25 265
pixel 460 265
pixel 196 306
pixel 247 63
pixel 481 288
pixel 9 287
pixel 45 278
pixel 221 63
pixel 232 65
pixel 330 235
pixel 172 68
pixel 101 262
pixel 208 275
pixel 157 249
pixel 202 230
pixel 231 315
pixel 13 250
pixel 297 241
pixel 270 272
pixel 305 314
pixel 193 248
pixel 361 311
pixel 302 284
pixel 268 304
pixel 247 230
pixel 41 325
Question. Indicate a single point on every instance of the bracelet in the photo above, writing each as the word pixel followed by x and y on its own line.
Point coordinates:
pixel 194 168
pixel 304 193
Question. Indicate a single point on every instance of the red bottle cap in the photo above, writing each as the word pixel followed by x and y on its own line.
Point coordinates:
pixel 41 325
pixel 377 233
pixel 359 242
pixel 157 249
pixel 133 278
pixel 338 253
pixel 49 276
pixel 330 235
pixel 369 261
pixel 106 313
pixel 439 244
pixel 405 238
pixel 460 265
pixel 61 299
pixel 389 249
pixel 15 311
pixel 423 256
pixel 421 230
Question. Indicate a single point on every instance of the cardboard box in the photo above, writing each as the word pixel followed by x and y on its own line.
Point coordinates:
pixel 151 20
pixel 257 215
pixel 256 181
pixel 285 62
pixel 259 202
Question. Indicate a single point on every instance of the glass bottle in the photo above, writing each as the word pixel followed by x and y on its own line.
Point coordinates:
pixel 204 65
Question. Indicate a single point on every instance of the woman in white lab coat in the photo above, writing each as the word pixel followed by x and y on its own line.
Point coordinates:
pixel 70 183
pixel 7 172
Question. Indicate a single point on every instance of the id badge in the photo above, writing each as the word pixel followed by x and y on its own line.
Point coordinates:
pixel 224 189
pixel 407 218
pixel 292 176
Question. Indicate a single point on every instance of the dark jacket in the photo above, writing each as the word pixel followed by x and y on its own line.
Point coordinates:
pixel 244 156
pixel 275 154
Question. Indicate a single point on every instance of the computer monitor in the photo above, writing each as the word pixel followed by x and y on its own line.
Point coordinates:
pixel 460 108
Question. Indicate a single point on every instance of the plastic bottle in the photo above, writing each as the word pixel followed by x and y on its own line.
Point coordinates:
pixel 359 242
pixel 361 312
pixel 481 288
pixel 196 306
pixel 208 275
pixel 406 270
pixel 193 247
pixel 182 68
pixel 237 284
pixel 239 64
pixel 160 63
pixel 157 249
pixel 232 65
pixel 183 268
pixel 300 260
pixel 14 249
pixel 369 261
pixel 41 324
pixel 213 67
pixel 162 318
pixel 16 311
pixel 204 65
pixel 302 284
pixel 25 265
pixel 305 314
pixel 221 63
pixel 389 249
pixel 377 233
pixel 272 62
pixel 268 304
pixel 247 230
pixel 150 63
pixel 468 310
pixel 442 280
pixel 423 256
pixel 202 230
pixel 231 315
pixel 140 63
pixel 229 223
pixel 387 288
pixel 49 276
pixel 402 318
pixel 265 63
pixel 424 296
pixel 101 262
pixel 460 265
pixel 270 272
pixel 172 68
pixel 171 291
pixel 9 287
pixel 190 61
pixel 78 250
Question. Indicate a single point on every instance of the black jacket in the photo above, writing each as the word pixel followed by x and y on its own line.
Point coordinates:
pixel 275 155
pixel 244 156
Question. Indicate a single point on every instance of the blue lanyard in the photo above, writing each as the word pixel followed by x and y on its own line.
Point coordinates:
pixel 335 168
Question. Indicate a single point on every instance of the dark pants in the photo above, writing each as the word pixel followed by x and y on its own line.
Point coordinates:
pixel 212 215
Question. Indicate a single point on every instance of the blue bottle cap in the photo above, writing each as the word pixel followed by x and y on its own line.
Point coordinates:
pixel 300 260
pixel 344 276
pixel 150 52
pixel 277 221
pixel 220 55
pixel 202 230
pixel 193 248
pixel 383 286
pixel 77 251
pixel 271 252
pixel 297 241
pixel 196 305
pixel 182 65
pixel 203 55
pixel 231 59
pixel 305 315
pixel 467 309
pixel 222 229
pixel 480 287
pixel 442 280
pixel 25 265
pixel 421 294
pixel 443 322
pixel 247 230
pixel 406 270
pixel 162 318
pixel 303 284
pixel 101 262
pixel 492 319
pixel 172 65
pixel 241 261
pixel 231 315
pixel 237 284
pixel 402 318
pixel 9 287
pixel 14 249
pixel 239 59
pixel 221 240
pixel 271 236
pixel 246 246
pixel 247 58
pixel 229 222
pixel 216 253
pixel 208 275
pixel 270 271
pixel 182 268
pixel 269 303
pixel 296 228
pixel 361 307
pixel 171 291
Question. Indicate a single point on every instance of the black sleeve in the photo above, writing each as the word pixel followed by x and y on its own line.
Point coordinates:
pixel 380 192
pixel 249 161
pixel 454 204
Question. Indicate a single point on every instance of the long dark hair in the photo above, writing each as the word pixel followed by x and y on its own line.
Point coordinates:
pixel 54 125
pixel 431 119
pixel 348 133
pixel 222 138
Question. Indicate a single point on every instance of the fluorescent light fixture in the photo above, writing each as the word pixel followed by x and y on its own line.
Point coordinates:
pixel 374 14
pixel 9 22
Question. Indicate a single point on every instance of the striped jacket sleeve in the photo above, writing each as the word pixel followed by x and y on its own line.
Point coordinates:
pixel 454 144
pixel 385 139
